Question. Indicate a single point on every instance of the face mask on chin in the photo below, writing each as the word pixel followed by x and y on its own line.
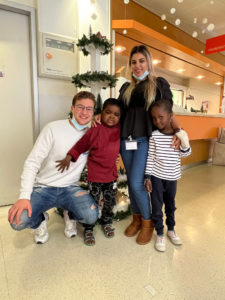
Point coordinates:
pixel 142 76
pixel 77 125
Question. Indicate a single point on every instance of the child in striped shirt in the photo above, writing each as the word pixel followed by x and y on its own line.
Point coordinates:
pixel 163 170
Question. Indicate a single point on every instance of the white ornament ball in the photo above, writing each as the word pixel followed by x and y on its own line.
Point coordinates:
pixel 177 22
pixel 163 17
pixel 210 27
pixel 172 10
pixel 180 1
pixel 194 34
pixel 195 20
pixel 126 1
pixel 124 31
pixel 204 21
pixel 164 27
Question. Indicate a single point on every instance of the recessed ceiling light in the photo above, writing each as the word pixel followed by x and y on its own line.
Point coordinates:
pixel 218 83
pixel 180 70
pixel 156 61
pixel 120 49
pixel 200 76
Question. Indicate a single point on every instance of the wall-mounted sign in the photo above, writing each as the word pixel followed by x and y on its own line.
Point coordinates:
pixel 216 44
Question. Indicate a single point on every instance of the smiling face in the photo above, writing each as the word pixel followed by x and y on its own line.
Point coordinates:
pixel 83 110
pixel 111 115
pixel 162 119
pixel 138 64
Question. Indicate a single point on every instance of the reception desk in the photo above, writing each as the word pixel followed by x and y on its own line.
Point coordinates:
pixel 200 126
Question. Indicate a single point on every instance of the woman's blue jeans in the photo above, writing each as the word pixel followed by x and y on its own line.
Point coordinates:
pixel 135 162
pixel 73 198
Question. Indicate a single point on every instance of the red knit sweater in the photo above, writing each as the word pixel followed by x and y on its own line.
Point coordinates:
pixel 103 142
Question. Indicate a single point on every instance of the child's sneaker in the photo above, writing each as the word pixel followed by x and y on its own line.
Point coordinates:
pixel 41 233
pixel 174 237
pixel 160 243
pixel 70 226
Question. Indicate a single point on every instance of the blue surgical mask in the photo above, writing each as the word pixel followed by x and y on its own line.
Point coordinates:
pixel 77 125
pixel 142 76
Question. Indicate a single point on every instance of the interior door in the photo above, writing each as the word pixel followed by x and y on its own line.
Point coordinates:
pixel 16 120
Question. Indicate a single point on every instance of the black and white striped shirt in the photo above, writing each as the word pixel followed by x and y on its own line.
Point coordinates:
pixel 163 161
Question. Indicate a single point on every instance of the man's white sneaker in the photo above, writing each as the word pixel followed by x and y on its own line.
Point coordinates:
pixel 41 233
pixel 174 237
pixel 70 226
pixel 160 243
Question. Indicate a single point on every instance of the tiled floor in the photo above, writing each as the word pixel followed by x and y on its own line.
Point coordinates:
pixel 119 269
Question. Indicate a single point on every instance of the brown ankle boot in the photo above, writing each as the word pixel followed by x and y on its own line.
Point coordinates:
pixel 145 234
pixel 134 227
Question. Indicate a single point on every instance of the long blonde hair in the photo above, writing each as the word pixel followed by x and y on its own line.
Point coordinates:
pixel 150 87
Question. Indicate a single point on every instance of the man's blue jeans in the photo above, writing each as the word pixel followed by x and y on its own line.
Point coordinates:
pixel 81 205
pixel 134 162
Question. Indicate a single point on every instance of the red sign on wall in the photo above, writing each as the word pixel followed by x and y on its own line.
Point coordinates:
pixel 216 44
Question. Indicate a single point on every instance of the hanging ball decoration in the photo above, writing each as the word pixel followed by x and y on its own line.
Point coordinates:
pixel 195 20
pixel 180 1
pixel 172 10
pixel 164 27
pixel 194 34
pixel 126 1
pixel 204 21
pixel 203 31
pixel 177 22
pixel 163 17
pixel 124 31
pixel 210 27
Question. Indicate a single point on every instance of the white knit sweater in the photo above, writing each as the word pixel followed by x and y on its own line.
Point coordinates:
pixel 53 143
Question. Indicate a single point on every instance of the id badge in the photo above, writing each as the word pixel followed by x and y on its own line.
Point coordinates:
pixel 131 145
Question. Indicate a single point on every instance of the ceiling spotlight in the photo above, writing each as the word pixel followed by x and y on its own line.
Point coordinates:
pixel 180 70
pixel 164 27
pixel 218 83
pixel 126 1
pixel 200 76
pixel 124 31
pixel 207 65
pixel 120 49
pixel 156 61
pixel 180 1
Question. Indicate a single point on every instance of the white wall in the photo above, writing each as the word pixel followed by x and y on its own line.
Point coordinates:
pixel 70 18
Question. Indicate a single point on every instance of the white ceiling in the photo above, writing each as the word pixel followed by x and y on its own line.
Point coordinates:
pixel 213 10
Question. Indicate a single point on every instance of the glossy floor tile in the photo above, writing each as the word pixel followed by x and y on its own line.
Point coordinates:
pixel 119 269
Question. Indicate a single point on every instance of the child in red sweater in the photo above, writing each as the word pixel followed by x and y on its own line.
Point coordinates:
pixel 103 144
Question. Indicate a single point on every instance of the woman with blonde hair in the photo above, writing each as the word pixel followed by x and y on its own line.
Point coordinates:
pixel 136 128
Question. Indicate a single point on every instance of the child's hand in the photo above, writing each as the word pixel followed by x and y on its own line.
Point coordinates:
pixel 64 163
pixel 148 185
pixel 176 142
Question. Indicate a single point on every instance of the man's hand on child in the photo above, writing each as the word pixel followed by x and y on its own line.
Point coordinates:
pixel 96 120
pixel 148 185
pixel 64 163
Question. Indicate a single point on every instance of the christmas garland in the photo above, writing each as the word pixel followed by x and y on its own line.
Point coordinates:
pixel 82 80
pixel 97 40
